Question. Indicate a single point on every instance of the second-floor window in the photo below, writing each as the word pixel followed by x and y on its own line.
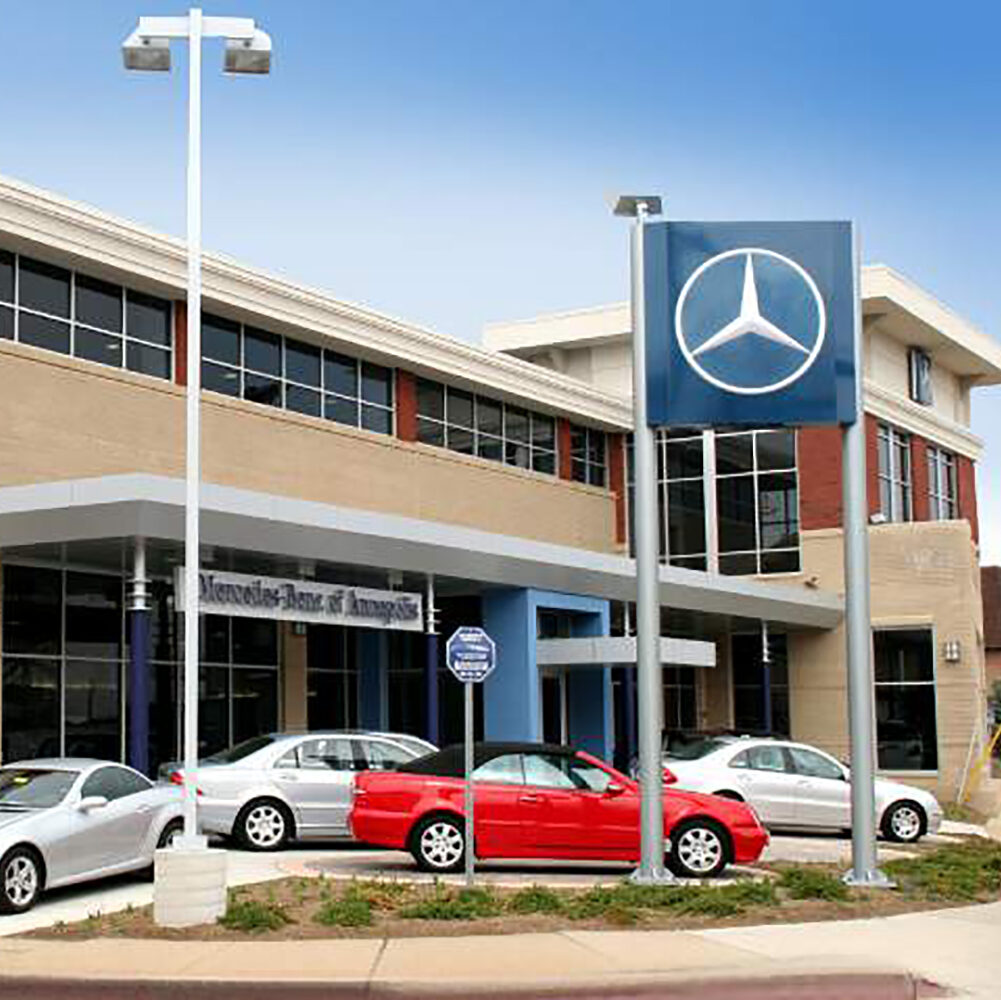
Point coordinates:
pixel 895 497
pixel 942 493
pixel 587 455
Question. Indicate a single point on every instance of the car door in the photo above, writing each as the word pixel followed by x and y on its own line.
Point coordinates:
pixel 552 808
pixel 764 776
pixel 315 776
pixel 610 813
pixel 498 788
pixel 823 795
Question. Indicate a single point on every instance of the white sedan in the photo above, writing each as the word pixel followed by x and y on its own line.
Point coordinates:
pixel 796 787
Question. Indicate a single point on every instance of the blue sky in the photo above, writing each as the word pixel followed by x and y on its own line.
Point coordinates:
pixel 446 162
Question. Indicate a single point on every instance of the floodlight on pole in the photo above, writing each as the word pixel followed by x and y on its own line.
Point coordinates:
pixel 248 51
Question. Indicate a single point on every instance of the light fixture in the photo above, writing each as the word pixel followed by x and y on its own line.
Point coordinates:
pixel 144 52
pixel 248 55
pixel 952 650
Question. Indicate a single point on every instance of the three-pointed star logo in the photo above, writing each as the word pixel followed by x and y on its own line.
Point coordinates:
pixel 749 321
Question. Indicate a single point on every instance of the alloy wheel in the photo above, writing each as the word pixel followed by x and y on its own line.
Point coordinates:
pixel 905 823
pixel 699 850
pixel 20 881
pixel 265 826
pixel 441 844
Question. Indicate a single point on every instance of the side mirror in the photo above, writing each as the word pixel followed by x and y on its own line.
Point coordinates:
pixel 614 788
pixel 92 802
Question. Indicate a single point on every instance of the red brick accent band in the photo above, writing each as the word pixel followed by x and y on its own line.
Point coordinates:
pixel 872 462
pixel 820 477
pixel 617 483
pixel 181 343
pixel 919 479
pixel 563 446
pixel 966 476
pixel 406 406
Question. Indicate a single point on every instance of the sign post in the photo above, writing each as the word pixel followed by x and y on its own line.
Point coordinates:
pixel 751 324
pixel 471 655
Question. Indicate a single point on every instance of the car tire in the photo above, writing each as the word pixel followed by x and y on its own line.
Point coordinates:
pixel 20 880
pixel 169 833
pixel 904 822
pixel 263 825
pixel 699 849
pixel 438 844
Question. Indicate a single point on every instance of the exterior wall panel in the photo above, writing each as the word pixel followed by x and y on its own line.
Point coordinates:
pixel 819 455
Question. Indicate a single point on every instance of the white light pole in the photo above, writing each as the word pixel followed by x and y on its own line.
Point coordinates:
pixel 248 50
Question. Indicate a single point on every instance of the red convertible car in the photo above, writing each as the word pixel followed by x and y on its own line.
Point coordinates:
pixel 538 801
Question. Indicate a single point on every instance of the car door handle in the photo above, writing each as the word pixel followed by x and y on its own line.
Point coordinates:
pixel 530 798
pixel 288 777
pixel 804 783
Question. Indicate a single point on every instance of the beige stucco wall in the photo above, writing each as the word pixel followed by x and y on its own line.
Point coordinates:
pixel 293 671
pixel 923 575
pixel 68 419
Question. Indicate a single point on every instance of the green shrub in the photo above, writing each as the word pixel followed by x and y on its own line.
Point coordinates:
pixel 971 870
pixel 254 916
pixel 448 904
pixel 535 899
pixel 813 883
pixel 350 910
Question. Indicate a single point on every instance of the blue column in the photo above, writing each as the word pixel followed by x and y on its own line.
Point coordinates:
pixel 431 728
pixel 371 679
pixel 589 689
pixel 629 711
pixel 138 692
pixel 511 692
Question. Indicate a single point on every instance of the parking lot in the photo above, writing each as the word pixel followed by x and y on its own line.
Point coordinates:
pixel 341 860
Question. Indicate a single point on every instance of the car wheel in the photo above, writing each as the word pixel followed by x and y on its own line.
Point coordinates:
pixel 20 880
pixel 264 825
pixel 729 794
pixel 698 849
pixel 904 822
pixel 439 844
pixel 170 833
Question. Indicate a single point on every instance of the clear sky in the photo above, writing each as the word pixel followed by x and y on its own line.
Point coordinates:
pixel 446 161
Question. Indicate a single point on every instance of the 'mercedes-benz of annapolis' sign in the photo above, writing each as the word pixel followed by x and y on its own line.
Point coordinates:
pixel 247 596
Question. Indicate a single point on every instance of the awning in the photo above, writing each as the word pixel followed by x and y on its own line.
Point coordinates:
pixel 621 651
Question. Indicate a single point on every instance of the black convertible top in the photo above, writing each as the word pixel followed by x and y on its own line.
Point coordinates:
pixel 450 762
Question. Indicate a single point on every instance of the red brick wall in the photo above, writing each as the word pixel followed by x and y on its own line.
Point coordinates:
pixel 967 485
pixel 872 462
pixel 406 406
pixel 617 483
pixel 563 446
pixel 820 477
pixel 181 343
pixel 919 478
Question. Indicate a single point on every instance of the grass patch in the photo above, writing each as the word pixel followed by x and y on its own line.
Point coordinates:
pixel 535 899
pixel 451 904
pixel 349 910
pixel 613 902
pixel 813 883
pixel 254 915
pixel 967 871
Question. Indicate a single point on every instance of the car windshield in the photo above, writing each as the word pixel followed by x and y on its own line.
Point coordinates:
pixel 692 747
pixel 33 788
pixel 241 750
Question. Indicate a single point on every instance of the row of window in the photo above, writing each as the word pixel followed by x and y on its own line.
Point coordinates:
pixel 70 313
pixel 896 489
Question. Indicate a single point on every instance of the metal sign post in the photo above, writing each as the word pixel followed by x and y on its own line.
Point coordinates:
pixel 471 655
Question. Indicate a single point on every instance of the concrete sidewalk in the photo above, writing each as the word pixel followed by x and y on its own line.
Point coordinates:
pixel 958 948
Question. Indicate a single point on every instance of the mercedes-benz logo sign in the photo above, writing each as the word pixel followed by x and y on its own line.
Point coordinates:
pixel 773 339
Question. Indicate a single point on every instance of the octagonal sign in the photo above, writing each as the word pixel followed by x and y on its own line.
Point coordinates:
pixel 471 654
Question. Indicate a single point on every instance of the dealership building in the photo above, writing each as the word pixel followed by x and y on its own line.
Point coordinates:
pixel 369 486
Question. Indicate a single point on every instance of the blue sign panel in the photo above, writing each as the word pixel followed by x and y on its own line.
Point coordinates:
pixel 750 323
pixel 471 654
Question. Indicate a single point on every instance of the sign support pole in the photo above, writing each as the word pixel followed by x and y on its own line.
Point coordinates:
pixel 650 689
pixel 469 782
pixel 861 706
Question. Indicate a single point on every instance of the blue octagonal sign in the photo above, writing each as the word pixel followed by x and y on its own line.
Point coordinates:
pixel 471 654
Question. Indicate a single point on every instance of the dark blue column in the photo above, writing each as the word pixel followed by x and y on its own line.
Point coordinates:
pixel 138 692
pixel 431 728
pixel 629 712
pixel 766 693
pixel 372 648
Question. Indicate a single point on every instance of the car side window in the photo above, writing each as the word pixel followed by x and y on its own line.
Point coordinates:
pixel 545 771
pixel 814 765
pixel 328 754
pixel 766 758
pixel 288 759
pixel 385 756
pixel 503 770
pixel 743 759
pixel 587 777
pixel 114 783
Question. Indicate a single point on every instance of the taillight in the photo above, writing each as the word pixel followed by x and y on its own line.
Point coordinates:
pixel 176 778
pixel 670 778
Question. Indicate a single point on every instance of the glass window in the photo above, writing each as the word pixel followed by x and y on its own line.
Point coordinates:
pixel 340 374
pixel 44 287
pixel 460 408
pixel 340 410
pixel 213 710
pixel 255 641
pixel 376 384
pixel 942 493
pixel 31 707
pixel 6 276
pixel 587 455
pixel 147 360
pixel 385 756
pixel 301 400
pixel 93 616
pixel 220 339
pixel 302 363
pixel 218 378
pixel 778 511
pixel 587 777
pixel 92 707
pixel 262 352
pixel 735 512
pixel 243 750
pixel 148 318
pixel 489 417
pixel 430 399
pixel 460 440
pixel 734 454
pixel 101 347
pixel 547 771
pixel 766 758
pixel 543 432
pixel 39 331
pixel 503 770
pixel 261 389
pixel 894 450
pixel 32 611
pixel 430 432
pixel 686 519
pixel 114 783
pixel 815 765
pixel 214 636
pixel 35 788
pixel 375 418
pixel 328 754
pixel 776 450
pixel 906 727
pixel 255 701
pixel 516 424
pixel 6 323
pixel 749 683
pixel 98 303
pixel 684 458
pixel 743 759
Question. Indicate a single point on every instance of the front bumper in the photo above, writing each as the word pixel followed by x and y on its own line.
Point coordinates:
pixel 749 843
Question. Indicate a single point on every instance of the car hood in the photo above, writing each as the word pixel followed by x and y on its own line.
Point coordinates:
pixel 887 789
pixel 11 821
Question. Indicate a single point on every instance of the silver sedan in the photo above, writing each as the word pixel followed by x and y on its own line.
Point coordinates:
pixel 66 820
pixel 271 789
